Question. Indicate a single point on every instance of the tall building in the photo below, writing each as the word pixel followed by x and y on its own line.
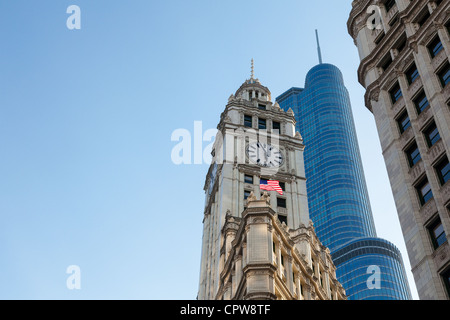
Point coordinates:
pixel 404 47
pixel 337 193
pixel 260 244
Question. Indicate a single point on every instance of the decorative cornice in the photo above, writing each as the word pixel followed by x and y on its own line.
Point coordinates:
pixel 423 34
pixel 358 8
pixel 374 58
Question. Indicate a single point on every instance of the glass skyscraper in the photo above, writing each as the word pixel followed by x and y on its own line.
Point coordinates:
pixel 337 192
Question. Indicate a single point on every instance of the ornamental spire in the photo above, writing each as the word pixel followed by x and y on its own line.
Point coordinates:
pixel 253 70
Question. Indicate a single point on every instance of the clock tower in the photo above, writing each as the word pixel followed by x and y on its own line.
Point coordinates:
pixel 260 244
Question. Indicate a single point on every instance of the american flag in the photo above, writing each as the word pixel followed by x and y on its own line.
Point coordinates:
pixel 271 185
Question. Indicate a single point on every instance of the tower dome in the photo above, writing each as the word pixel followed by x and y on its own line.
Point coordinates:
pixel 252 89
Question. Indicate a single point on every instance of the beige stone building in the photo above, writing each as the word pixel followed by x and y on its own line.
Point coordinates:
pixel 404 47
pixel 260 244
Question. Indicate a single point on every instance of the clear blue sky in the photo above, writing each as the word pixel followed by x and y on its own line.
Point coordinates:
pixel 86 118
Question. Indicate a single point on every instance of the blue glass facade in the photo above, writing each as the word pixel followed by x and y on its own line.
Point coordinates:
pixel 337 193
pixel 354 260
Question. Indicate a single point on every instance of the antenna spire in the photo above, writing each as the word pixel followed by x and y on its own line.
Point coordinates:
pixel 318 47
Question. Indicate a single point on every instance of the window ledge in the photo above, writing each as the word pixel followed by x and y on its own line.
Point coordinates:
pixel 406 136
pixel 428 210
pixel 424 117
pixel 437 61
pixel 415 86
pixel 445 193
pixel 446 92
pixel 441 256
pixel 398 106
pixel 436 151
pixel 417 171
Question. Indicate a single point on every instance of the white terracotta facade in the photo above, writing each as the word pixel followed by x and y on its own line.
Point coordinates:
pixel 248 253
pixel 404 42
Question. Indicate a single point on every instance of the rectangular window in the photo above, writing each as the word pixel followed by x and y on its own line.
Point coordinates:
pixel 424 192
pixel 276 126
pixel 446 278
pixel 395 93
pixel 443 171
pixel 281 203
pixel 435 47
pixel 247 194
pixel 394 21
pixel 282 219
pixel 403 122
pixel 413 154
pixel 386 62
pixel 389 4
pixel 262 107
pixel 283 186
pixel 432 135
pixel 379 38
pixel 401 44
pixel 421 102
pixel 248 121
pixel 424 17
pixel 262 124
pixel 412 73
pixel 444 74
pixel 248 179
pixel 437 234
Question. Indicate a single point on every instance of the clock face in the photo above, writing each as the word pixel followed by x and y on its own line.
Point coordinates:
pixel 265 155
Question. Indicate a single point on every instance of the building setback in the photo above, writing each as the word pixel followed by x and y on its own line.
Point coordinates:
pixel 404 48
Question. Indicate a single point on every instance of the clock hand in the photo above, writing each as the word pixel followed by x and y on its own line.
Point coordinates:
pixel 264 149
pixel 268 152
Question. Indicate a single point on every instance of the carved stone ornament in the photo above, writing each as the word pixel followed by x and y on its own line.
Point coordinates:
pixel 413 45
pixel 375 95
pixel 399 70
pixel 290 112
pixel 251 197
pixel 258 221
pixel 277 106
pixel 266 197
